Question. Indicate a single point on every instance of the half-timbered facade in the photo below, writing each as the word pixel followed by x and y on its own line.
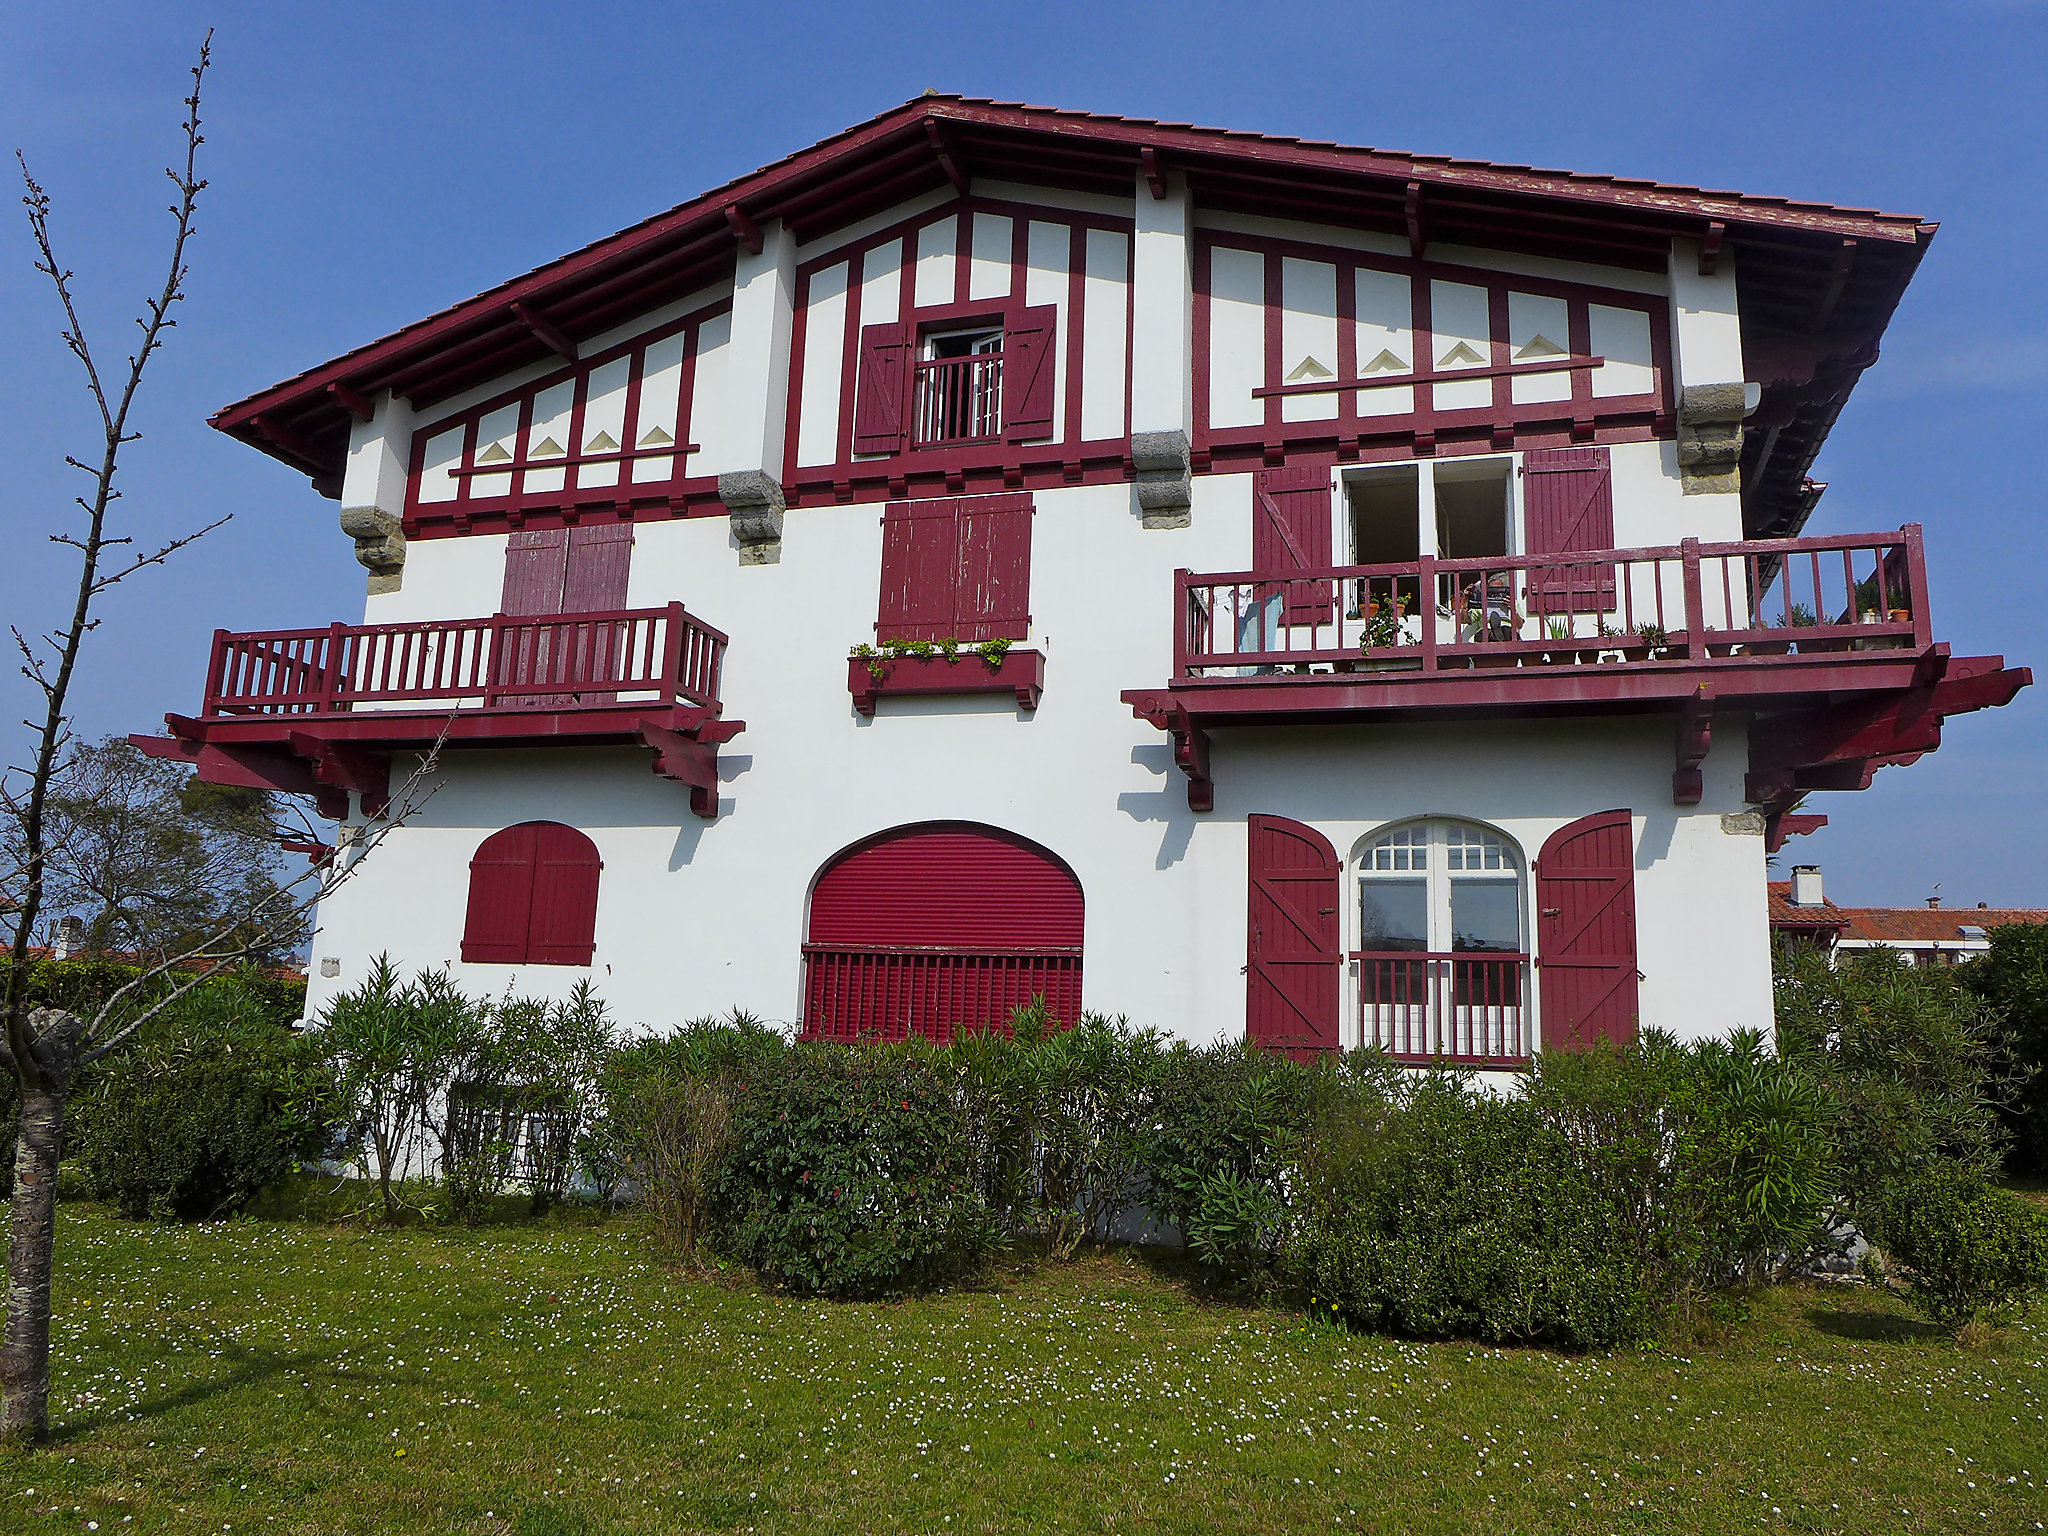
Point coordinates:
pixel 1249 585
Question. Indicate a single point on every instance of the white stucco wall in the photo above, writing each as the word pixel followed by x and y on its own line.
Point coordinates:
pixel 696 917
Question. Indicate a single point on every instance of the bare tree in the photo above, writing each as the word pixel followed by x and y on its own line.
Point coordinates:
pixel 44 1048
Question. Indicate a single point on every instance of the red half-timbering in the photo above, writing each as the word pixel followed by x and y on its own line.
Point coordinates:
pixel 933 929
pixel 1292 944
pixel 906 423
pixel 1586 933
pixel 603 438
pixel 532 897
pixel 1413 397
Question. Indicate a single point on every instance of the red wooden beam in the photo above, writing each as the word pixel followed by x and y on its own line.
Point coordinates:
pixel 744 229
pixel 354 401
pixel 1695 737
pixel 545 331
pixel 293 443
pixel 1412 209
pixel 1155 172
pixel 948 162
pixel 1710 247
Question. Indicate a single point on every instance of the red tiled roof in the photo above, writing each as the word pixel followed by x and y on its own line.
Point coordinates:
pixel 1792 259
pixel 1784 914
pixel 1930 925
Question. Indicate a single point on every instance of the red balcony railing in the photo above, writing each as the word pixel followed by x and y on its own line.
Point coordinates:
pixel 1849 594
pixel 1468 1009
pixel 651 656
pixel 890 993
pixel 959 399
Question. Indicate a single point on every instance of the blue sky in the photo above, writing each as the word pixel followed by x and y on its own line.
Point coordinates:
pixel 374 162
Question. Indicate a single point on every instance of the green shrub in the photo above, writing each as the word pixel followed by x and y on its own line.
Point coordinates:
pixel 1093 1090
pixel 1227 1129
pixel 1435 1208
pixel 209 1104
pixel 2013 982
pixel 1959 1246
pixel 850 1172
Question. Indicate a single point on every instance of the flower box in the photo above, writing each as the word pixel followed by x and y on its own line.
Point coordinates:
pixel 1019 672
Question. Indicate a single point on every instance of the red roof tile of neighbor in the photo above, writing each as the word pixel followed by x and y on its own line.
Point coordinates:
pixel 1894 925
pixel 1796 257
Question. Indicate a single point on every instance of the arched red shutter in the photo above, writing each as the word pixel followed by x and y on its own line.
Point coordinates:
pixel 1586 932
pixel 937 927
pixel 1293 952
pixel 1028 373
pixel 1568 497
pixel 500 897
pixel 883 389
pixel 532 897
pixel 564 927
pixel 1291 532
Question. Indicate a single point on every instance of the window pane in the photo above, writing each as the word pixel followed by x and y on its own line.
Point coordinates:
pixel 1395 914
pixel 1486 915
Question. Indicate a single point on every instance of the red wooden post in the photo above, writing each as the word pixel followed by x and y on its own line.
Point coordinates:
pixel 331 674
pixel 1916 583
pixel 1695 604
pixel 672 653
pixel 215 671
pixel 1425 575
pixel 1183 619
pixel 493 661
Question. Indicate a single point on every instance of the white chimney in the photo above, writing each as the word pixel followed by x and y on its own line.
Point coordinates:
pixel 70 937
pixel 1806 885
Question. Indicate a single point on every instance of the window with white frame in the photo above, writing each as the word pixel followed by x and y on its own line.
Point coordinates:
pixel 1441 958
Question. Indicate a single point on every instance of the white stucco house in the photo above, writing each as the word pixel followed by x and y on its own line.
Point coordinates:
pixel 1251 585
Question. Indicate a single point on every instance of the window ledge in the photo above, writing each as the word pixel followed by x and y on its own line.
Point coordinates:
pixel 1019 672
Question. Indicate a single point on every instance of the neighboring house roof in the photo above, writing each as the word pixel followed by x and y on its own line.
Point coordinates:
pixel 1910 927
pixel 1816 283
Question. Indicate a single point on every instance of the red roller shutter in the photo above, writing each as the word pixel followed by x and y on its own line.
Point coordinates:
pixel 1291 532
pixel 1586 932
pixel 1292 946
pixel 883 388
pixel 1028 373
pixel 532 897
pixel 1568 505
pixel 934 928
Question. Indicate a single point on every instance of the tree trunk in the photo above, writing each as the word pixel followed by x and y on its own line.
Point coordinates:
pixel 25 1350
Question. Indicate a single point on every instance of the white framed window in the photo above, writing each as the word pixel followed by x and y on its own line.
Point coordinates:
pixel 1442 963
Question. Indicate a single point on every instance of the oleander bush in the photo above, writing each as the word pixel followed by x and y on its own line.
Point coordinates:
pixel 851 1171
pixel 1957 1246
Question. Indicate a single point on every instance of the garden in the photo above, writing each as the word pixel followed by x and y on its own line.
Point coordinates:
pixel 444 1262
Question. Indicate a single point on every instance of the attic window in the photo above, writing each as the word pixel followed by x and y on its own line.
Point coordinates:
pixel 960 387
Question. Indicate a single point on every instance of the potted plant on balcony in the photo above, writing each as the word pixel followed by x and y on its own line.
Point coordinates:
pixel 1385 621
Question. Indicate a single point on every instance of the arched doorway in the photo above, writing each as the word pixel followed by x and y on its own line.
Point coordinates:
pixel 928 929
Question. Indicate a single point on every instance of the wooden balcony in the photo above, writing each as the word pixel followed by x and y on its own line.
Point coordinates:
pixel 318 710
pixel 1774 627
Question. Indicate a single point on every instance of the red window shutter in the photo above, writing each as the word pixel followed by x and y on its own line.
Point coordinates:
pixel 564 925
pixel 1586 932
pixel 1291 532
pixel 600 557
pixel 536 568
pixel 1293 955
pixel 920 570
pixel 1568 504
pixel 1028 373
pixel 500 897
pixel 884 387
pixel 994 587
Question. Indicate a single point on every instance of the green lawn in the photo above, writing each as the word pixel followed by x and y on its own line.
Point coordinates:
pixel 266 1376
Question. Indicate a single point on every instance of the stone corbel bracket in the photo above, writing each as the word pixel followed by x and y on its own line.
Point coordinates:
pixel 380 545
pixel 1165 478
pixel 1710 418
pixel 754 498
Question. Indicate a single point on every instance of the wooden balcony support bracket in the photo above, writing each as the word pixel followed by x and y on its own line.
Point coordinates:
pixel 342 767
pixel 1781 825
pixel 1695 738
pixel 1189 741
pixel 690 756
pixel 245 767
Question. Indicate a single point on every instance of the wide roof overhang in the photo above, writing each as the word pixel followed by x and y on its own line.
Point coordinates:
pixel 1817 284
